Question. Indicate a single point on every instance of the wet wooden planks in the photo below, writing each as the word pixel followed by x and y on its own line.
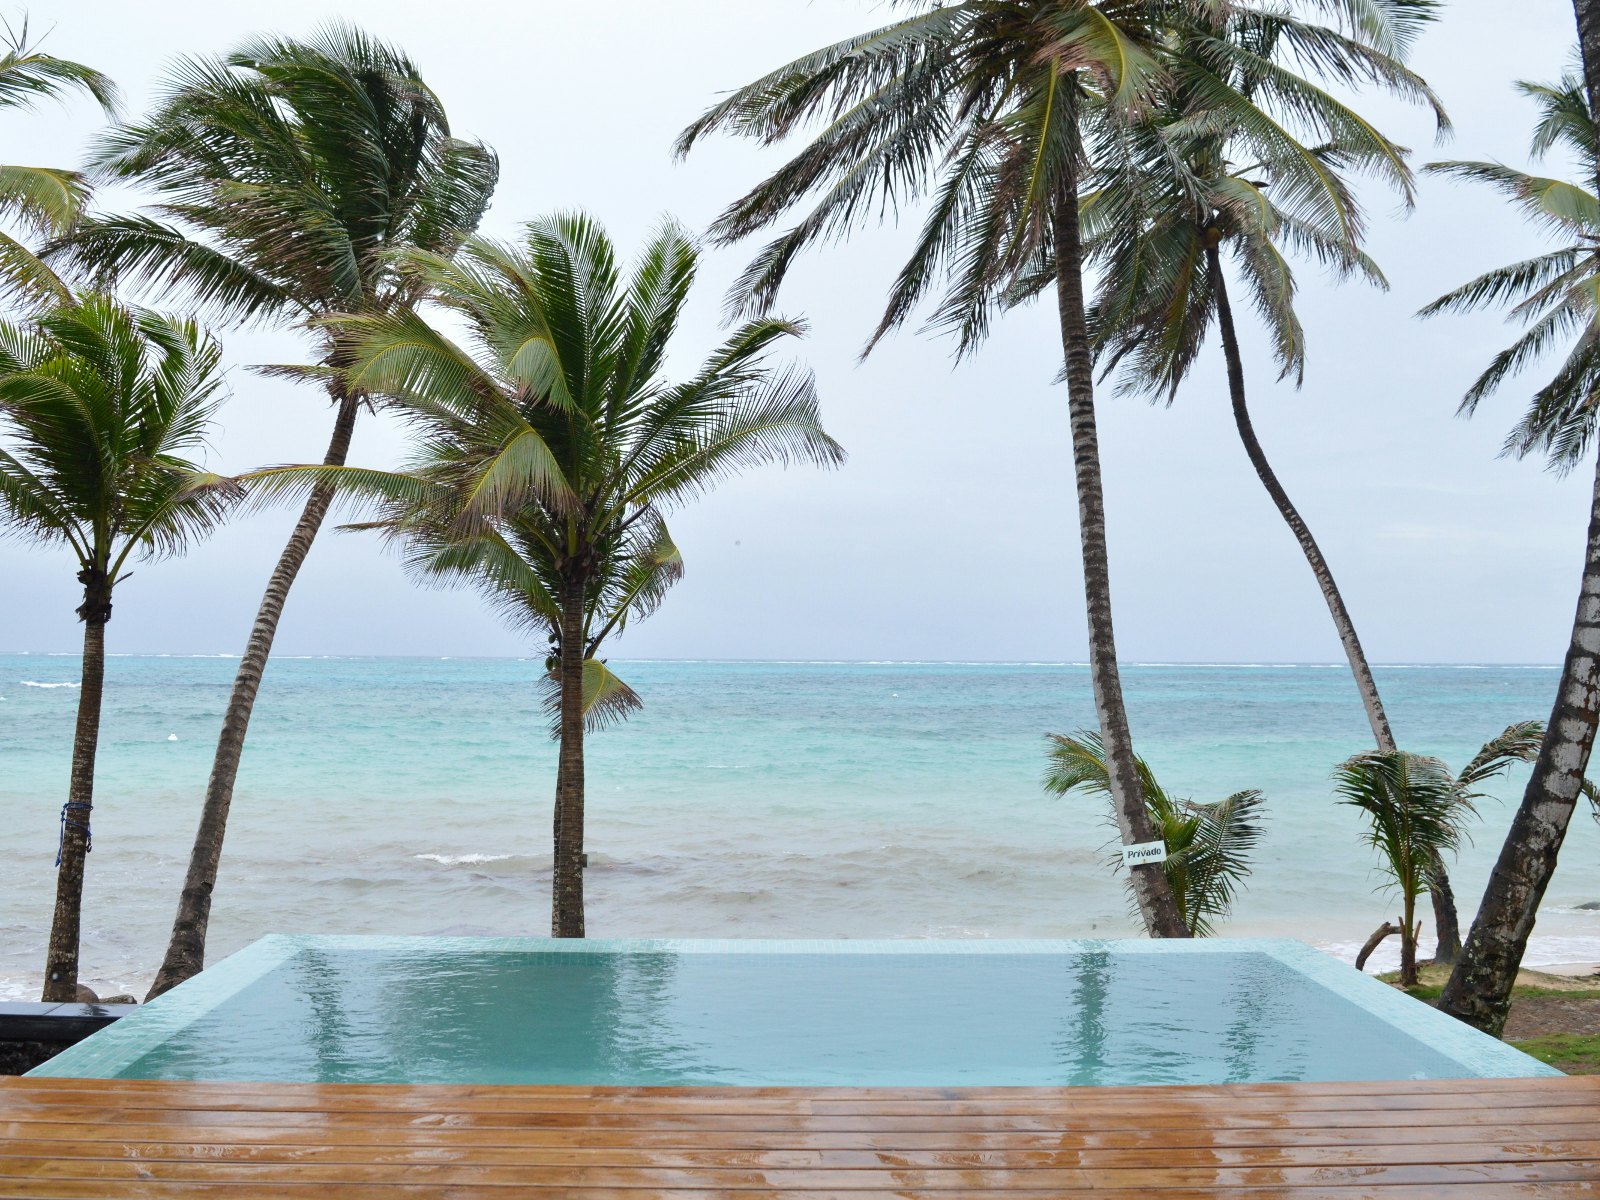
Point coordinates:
pixel 1436 1140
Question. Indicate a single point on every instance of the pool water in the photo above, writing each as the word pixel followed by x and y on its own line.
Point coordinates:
pixel 785 1014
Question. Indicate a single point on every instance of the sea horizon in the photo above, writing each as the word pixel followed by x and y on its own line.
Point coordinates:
pixel 1309 664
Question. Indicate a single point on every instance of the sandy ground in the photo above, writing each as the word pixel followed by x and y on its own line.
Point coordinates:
pixel 1539 1016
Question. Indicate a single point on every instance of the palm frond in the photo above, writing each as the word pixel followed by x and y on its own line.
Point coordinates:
pixel 606 699
pixel 1414 811
pixel 28 75
pixel 1209 846
pixel 1518 743
pixel 100 407
pixel 290 175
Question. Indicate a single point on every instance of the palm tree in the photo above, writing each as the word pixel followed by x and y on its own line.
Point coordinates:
pixel 45 200
pixel 1249 156
pixel 1414 816
pixel 1209 846
pixel 99 404
pixel 1553 295
pixel 1417 811
pixel 982 104
pixel 289 172
pixel 550 447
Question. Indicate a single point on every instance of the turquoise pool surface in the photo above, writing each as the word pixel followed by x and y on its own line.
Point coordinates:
pixel 902 1013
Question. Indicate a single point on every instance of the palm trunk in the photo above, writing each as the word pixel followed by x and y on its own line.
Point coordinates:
pixel 1151 889
pixel 1446 920
pixel 1444 908
pixel 1376 717
pixel 1588 14
pixel 1408 943
pixel 61 958
pixel 1479 989
pixel 186 951
pixel 566 893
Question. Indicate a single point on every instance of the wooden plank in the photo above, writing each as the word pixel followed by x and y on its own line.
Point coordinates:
pixel 1191 1136
pixel 1086 1120
pixel 44 1084
pixel 18 1094
pixel 1138 1178
pixel 348 1092
pixel 96 1190
pixel 1388 1154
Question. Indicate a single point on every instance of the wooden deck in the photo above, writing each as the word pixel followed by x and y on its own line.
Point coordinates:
pixel 113 1139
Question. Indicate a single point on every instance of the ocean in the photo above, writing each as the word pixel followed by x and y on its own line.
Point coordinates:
pixel 747 799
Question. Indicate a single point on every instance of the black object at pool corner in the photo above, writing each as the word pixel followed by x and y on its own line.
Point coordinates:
pixel 33 1033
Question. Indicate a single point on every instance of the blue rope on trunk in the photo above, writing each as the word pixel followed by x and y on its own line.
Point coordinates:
pixel 66 820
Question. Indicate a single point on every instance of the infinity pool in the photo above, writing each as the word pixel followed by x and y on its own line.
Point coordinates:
pixel 903 1013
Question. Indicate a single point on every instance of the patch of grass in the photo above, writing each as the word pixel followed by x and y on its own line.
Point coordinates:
pixel 1422 991
pixel 1574 1053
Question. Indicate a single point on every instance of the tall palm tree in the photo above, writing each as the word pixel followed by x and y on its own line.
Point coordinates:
pixel 99 405
pixel 1249 155
pixel 44 200
pixel 996 112
pixel 1209 845
pixel 1417 811
pixel 550 446
pixel 290 172
pixel 983 105
pixel 1553 296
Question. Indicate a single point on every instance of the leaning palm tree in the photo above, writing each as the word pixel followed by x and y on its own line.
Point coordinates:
pixel 1418 809
pixel 289 172
pixel 550 447
pixel 1553 296
pixel 1209 846
pixel 42 200
pixel 1248 158
pixel 984 105
pixel 99 407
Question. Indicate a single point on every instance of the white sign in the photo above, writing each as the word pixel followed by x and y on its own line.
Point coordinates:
pixel 1144 853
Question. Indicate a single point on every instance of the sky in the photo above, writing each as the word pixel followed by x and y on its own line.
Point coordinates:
pixel 951 532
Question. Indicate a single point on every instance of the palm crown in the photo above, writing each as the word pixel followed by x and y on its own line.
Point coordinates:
pixel 1553 295
pixel 100 405
pixel 981 107
pixel 1246 151
pixel 550 446
pixel 288 171
pixel 44 200
pixel 973 105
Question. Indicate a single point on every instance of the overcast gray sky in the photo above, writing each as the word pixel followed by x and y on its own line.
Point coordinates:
pixel 951 532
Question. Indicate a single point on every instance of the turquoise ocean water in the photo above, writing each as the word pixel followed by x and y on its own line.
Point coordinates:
pixel 747 799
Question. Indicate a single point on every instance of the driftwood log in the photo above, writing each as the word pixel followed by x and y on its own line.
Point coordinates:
pixel 1374 941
